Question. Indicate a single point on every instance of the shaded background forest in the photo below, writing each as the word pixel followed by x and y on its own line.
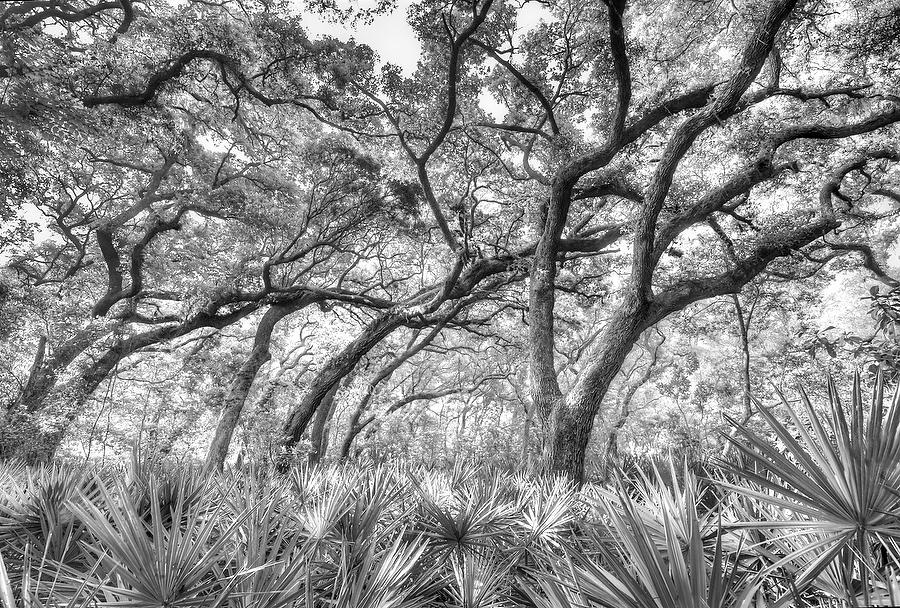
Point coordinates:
pixel 225 238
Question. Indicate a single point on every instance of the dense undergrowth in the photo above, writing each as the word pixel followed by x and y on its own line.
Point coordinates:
pixel 807 515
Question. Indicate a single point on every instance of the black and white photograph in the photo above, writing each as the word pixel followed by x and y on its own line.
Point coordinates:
pixel 449 303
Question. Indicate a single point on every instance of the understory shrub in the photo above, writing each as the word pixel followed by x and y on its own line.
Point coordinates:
pixel 808 515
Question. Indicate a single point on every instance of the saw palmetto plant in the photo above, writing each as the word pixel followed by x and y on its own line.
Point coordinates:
pixel 654 547
pixel 807 519
pixel 835 474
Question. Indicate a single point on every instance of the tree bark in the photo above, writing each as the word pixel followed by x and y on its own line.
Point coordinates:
pixel 239 388
pixel 318 434
pixel 573 418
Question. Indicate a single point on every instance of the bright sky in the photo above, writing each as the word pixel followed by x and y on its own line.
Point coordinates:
pixel 392 37
pixel 388 34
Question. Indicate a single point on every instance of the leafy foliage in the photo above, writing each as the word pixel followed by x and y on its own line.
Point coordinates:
pixel 823 502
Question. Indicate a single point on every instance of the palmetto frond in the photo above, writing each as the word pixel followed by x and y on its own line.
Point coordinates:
pixel 837 479
pixel 547 511
pixel 174 559
pixel 474 521
pixel 37 512
pixel 480 580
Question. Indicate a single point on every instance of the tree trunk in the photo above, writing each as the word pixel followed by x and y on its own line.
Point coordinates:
pixel 745 354
pixel 34 372
pixel 525 456
pixel 353 430
pixel 573 418
pixel 42 379
pixel 239 388
pixel 744 332
pixel 318 434
pixel 412 348
pixel 71 396
pixel 68 400
pixel 337 368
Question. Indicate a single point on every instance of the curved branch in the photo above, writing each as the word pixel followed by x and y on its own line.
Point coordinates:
pixel 532 88
pixel 870 263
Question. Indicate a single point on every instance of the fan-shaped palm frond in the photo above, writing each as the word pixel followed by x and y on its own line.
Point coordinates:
pixel 37 512
pixel 480 580
pixel 838 479
pixel 476 520
pixel 171 560
pixel 644 566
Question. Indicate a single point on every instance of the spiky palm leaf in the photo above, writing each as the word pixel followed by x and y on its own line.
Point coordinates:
pixel 37 512
pixel 172 560
pixel 547 512
pixel 481 580
pixel 641 565
pixel 672 500
pixel 371 577
pixel 837 479
pixel 476 520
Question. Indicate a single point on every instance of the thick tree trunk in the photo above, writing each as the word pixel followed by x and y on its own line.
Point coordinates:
pixel 42 379
pixel 41 443
pixel 239 388
pixel 233 404
pixel 573 418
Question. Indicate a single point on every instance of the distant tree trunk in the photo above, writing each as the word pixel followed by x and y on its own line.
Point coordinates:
pixel 744 333
pixel 71 397
pixel 44 373
pixel 34 372
pixel 355 426
pixel 239 388
pixel 336 369
pixel 525 455
pixel 318 434
pixel 68 400
pixel 167 443
pixel 745 354
pixel 612 441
